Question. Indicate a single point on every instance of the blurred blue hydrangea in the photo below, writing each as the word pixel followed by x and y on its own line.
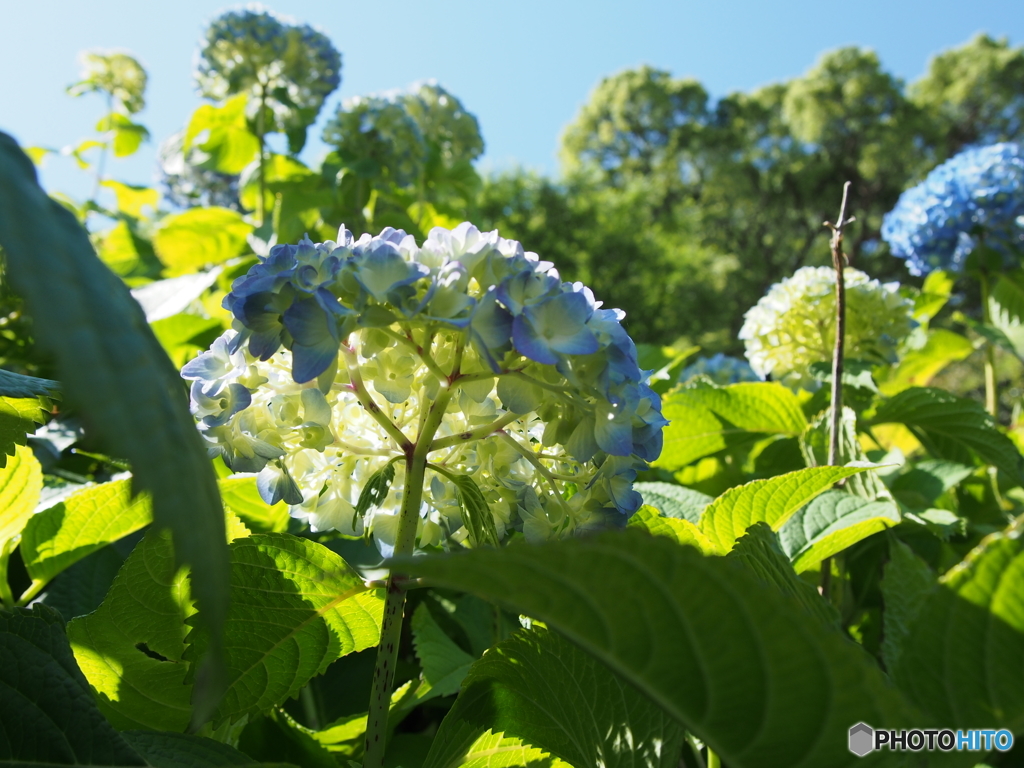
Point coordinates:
pixel 978 194
pixel 549 410
pixel 721 369
pixel 291 67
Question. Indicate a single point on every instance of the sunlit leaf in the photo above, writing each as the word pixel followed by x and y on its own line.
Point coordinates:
pixel 200 237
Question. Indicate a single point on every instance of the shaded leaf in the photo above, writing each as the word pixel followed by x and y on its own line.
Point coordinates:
pixel 742 666
pixel 176 750
pixel 539 687
pixel 84 315
pixel 947 425
pixel 906 583
pixel 674 500
pixel 18 385
pixel 758 549
pixel 46 708
pixel 960 659
pixel 444 664
pixel 479 520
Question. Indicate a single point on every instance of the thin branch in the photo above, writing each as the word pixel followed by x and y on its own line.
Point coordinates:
pixel 839 262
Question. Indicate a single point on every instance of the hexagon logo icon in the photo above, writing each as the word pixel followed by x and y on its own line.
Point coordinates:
pixel 862 739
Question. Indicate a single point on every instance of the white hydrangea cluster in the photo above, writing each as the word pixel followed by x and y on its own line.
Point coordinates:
pixel 793 325
pixel 351 357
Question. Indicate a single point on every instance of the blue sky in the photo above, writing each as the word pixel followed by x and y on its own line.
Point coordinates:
pixel 524 68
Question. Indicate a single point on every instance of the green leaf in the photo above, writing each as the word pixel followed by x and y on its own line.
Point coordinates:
pixel 739 664
pixel 1006 307
pixel 856 373
pixel 81 524
pixel 188 241
pixel 116 247
pixel 131 199
pixel 18 419
pixel 131 648
pixel 922 484
pixel 479 520
pixel 702 418
pixel 758 549
pixel 935 292
pixel 831 523
pixel 960 660
pixel 906 583
pixel 295 607
pixel 128 136
pixel 495 750
pixel 98 337
pixel 947 424
pixel 680 530
pixel 176 750
pixel 539 687
pixel 46 708
pixel 665 364
pixel 772 501
pixel 17 385
pixel 277 737
pixel 814 444
pixel 241 496
pixel 81 588
pixel 376 488
pixel 444 664
pixel 184 335
pixel 674 500
pixel 919 366
pixel 223 136
pixel 20 483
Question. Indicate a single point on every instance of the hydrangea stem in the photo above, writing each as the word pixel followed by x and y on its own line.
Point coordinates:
pixel 394 602
pixel 991 392
pixel 838 354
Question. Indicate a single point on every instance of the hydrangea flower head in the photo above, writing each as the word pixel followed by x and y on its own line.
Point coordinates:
pixel 292 66
pixel 721 369
pixel 793 325
pixel 979 193
pixel 342 351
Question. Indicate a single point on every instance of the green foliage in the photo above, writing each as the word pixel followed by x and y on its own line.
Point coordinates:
pixel 674 500
pixel 539 687
pixel 705 419
pixel 952 427
pixel 222 135
pixel 21 479
pixel 478 514
pixel 241 497
pixel 831 523
pixel 200 237
pixel 772 501
pixel 118 75
pixel 131 648
pixel 87 520
pixel 295 608
pixel 103 348
pixel 176 750
pixel 47 710
pixel 679 530
pixel 957 652
pixel 18 418
pixel 444 664
pixel 698 625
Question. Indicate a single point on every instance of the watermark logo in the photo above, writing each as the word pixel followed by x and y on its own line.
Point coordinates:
pixel 863 739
